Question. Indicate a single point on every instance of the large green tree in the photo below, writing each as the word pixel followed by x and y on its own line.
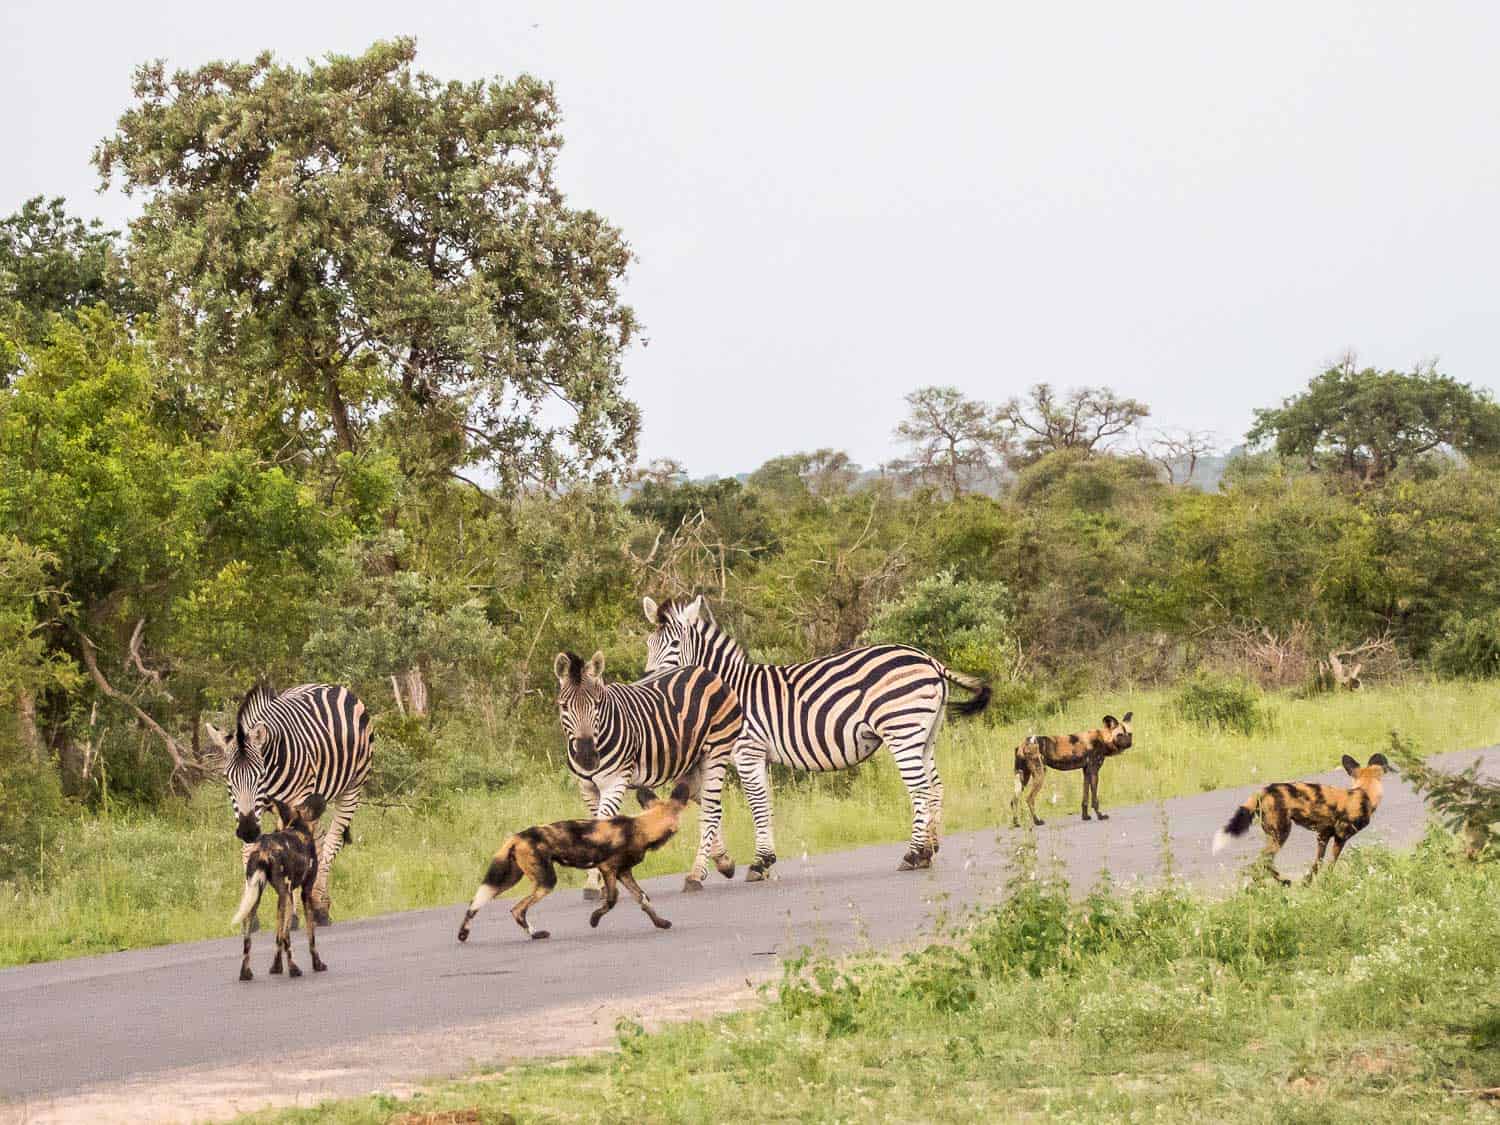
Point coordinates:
pixel 1368 423
pixel 355 249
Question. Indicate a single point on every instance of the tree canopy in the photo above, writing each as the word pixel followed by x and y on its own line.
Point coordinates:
pixel 356 246
pixel 1369 423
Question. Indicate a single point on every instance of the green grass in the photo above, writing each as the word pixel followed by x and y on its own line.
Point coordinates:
pixel 1367 997
pixel 135 878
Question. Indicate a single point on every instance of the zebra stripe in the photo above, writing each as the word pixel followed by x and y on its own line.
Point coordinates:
pixel 681 723
pixel 314 738
pixel 825 714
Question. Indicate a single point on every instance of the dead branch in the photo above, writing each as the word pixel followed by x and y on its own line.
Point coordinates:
pixel 184 769
pixel 151 676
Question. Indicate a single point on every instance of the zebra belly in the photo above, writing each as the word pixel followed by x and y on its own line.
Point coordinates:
pixel 838 755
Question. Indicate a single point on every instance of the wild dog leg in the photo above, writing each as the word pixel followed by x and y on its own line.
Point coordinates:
pixel 289 902
pixel 611 896
pixel 640 896
pixel 310 914
pixel 544 879
pixel 1038 770
pixel 1097 814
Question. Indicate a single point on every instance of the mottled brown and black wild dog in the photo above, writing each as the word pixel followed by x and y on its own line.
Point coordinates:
pixel 1333 813
pixel 612 844
pixel 288 861
pixel 1085 752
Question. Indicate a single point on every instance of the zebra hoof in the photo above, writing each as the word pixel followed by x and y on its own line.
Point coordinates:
pixel 246 974
pixel 691 885
pixel 726 869
pixel 592 895
pixel 755 874
pixel 914 861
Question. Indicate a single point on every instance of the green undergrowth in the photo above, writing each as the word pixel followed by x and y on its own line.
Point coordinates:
pixel 1368 996
pixel 137 878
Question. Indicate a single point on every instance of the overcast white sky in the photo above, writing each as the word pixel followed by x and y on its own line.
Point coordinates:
pixel 1197 204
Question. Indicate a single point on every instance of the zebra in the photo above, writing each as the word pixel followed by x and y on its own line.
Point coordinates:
pixel 310 739
pixel 681 723
pixel 826 714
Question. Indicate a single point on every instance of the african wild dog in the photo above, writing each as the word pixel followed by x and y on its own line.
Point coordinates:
pixel 1333 813
pixel 1085 752
pixel 614 845
pixel 288 861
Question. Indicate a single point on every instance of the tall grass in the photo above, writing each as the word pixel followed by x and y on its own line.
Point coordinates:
pixel 135 878
pixel 1369 996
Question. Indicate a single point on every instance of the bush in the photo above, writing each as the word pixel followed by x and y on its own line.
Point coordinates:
pixel 1211 702
pixel 1469 647
pixel 31 810
pixel 965 623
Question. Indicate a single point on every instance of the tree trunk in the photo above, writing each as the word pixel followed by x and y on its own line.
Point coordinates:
pixel 416 692
pixel 26 729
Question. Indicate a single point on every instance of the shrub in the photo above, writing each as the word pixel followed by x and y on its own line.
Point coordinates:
pixel 965 623
pixel 1469 647
pixel 1211 702
pixel 31 809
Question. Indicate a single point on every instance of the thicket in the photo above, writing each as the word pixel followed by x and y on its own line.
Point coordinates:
pixel 319 453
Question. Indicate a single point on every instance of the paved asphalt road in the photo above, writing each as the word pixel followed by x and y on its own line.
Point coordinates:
pixel 72 1025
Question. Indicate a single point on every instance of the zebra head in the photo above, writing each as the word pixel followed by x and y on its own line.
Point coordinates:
pixel 244 759
pixel 677 640
pixel 580 692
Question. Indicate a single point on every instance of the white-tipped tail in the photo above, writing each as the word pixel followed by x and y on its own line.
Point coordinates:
pixel 251 896
pixel 1221 840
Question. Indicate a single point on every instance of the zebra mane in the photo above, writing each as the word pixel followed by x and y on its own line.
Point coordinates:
pixel 252 705
pixel 575 667
pixel 665 610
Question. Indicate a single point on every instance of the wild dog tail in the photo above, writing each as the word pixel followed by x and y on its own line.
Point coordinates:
pixel 254 885
pixel 980 688
pixel 1239 823
pixel 502 874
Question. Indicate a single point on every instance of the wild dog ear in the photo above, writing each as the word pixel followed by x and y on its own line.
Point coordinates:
pixel 1128 715
pixel 682 792
pixel 1350 765
pixel 562 664
pixel 650 606
pixel 284 812
pixel 646 797
pixel 595 669
pixel 1110 722
pixel 313 807
pixel 1379 760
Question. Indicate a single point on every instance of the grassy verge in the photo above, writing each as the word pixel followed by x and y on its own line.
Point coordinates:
pixel 137 879
pixel 1368 997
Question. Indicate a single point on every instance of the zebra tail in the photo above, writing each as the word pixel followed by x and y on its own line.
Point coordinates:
pixel 254 885
pixel 980 688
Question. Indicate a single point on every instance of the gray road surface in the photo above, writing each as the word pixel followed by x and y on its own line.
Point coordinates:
pixel 71 1026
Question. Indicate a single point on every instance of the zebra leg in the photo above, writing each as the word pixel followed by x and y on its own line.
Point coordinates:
pixel 912 764
pixel 755 779
pixel 710 844
pixel 343 812
pixel 934 786
pixel 590 794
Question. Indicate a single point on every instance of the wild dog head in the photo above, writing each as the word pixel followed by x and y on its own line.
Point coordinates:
pixel 1367 775
pixel 244 757
pixel 678 632
pixel 1117 737
pixel 300 818
pixel 580 692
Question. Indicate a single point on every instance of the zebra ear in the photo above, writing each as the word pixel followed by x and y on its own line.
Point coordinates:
pixel 649 605
pixel 258 736
pixel 560 666
pixel 697 611
pixel 596 666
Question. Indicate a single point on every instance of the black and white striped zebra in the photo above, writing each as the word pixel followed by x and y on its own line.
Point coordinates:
pixel 310 739
pixel 679 724
pixel 826 714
